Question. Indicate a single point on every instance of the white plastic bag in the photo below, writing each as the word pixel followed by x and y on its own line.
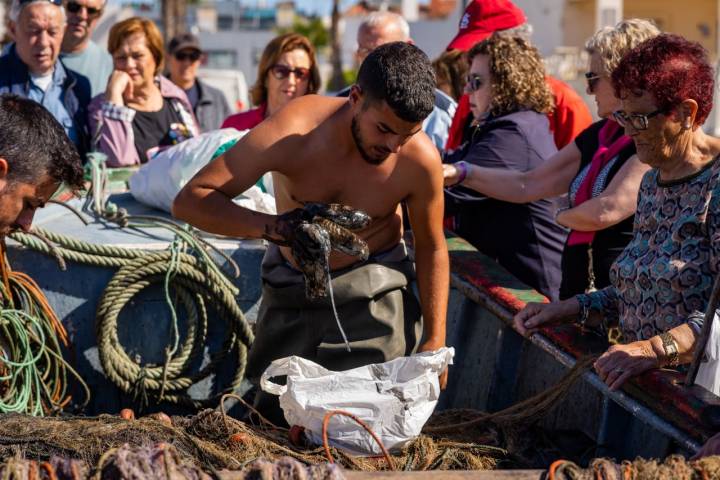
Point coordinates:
pixel 158 182
pixel 394 398
pixel 709 372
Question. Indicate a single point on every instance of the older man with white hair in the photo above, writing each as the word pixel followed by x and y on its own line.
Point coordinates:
pixel 31 68
pixel 79 52
pixel 380 28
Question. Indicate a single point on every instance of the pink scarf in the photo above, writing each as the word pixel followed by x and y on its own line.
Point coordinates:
pixel 606 151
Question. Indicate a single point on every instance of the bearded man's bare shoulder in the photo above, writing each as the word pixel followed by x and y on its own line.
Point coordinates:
pixel 304 114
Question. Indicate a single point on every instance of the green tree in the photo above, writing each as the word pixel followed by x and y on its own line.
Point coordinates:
pixel 312 28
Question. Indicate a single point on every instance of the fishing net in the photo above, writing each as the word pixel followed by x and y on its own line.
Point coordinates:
pixel 211 441
pixel 673 467
pixel 159 462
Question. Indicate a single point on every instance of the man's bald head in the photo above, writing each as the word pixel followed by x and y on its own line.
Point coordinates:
pixel 380 28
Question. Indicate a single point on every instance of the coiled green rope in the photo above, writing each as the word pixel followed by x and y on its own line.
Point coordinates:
pixel 197 282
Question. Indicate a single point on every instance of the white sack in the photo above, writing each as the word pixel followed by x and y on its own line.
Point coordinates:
pixel 394 398
pixel 158 182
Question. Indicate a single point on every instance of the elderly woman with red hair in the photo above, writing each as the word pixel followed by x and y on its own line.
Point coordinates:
pixel 661 283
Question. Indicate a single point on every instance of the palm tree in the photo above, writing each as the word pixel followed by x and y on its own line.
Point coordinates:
pixel 173 17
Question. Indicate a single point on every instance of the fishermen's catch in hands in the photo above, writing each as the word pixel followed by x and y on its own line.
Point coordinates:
pixel 312 231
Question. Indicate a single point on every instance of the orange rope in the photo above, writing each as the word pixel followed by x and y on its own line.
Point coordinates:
pixel 4 268
pixel 50 470
pixel 326 445
pixel 28 283
pixel 553 468
pixel 33 471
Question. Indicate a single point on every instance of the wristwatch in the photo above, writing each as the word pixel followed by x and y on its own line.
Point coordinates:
pixel 671 349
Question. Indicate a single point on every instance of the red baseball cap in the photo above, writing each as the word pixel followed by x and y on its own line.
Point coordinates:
pixel 482 18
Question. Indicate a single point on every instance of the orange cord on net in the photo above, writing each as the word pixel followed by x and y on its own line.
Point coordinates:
pixel 553 468
pixel 326 445
pixel 50 470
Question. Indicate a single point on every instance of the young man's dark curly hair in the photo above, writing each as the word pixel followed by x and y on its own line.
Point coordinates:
pixel 401 75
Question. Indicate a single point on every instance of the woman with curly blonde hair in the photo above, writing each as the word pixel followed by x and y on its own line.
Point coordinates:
pixel 599 170
pixel 509 99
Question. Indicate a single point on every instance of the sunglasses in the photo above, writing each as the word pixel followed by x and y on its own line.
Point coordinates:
pixel 74 7
pixel 193 56
pixel 638 121
pixel 281 72
pixel 474 83
pixel 592 78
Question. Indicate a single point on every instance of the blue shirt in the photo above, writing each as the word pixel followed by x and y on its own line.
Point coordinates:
pixel 94 62
pixel 437 124
pixel 53 100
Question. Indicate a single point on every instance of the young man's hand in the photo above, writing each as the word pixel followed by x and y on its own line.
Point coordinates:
pixel 431 345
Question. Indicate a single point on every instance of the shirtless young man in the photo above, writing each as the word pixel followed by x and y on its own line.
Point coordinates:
pixel 367 152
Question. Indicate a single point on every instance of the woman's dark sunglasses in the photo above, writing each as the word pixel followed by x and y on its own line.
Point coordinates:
pixel 281 72
pixel 591 78
pixel 474 83
pixel 193 56
pixel 74 7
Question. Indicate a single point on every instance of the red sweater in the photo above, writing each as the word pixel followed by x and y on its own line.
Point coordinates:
pixel 246 120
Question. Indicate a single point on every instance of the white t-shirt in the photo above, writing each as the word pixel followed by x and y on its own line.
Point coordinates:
pixel 42 81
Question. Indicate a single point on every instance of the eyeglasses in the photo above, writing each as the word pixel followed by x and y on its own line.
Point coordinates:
pixel 474 82
pixel 281 72
pixel 638 121
pixel 193 56
pixel 75 7
pixel 592 78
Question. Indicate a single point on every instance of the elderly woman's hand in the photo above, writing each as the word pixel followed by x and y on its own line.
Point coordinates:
pixel 451 174
pixel 119 87
pixel 535 315
pixel 621 362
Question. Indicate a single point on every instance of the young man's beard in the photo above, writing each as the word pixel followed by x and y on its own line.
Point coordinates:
pixel 357 137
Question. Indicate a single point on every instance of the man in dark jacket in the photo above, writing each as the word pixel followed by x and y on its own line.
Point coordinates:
pixel 31 68
pixel 209 104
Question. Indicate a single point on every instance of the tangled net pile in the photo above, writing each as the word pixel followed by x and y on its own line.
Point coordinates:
pixel 674 467
pixel 211 441
pixel 159 462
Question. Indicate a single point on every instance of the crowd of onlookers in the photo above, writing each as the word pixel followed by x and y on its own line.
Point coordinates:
pixel 616 221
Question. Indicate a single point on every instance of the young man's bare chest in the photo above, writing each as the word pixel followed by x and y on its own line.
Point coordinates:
pixel 330 179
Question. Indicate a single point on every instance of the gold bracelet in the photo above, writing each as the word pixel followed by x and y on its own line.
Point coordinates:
pixel 671 349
